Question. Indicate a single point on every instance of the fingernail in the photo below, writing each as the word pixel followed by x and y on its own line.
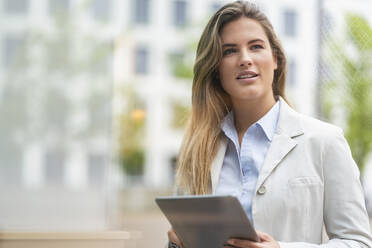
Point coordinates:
pixel 230 241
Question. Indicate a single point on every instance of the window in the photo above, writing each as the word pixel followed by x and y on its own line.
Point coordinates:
pixel 59 6
pixel 11 165
pixel 175 59
pixel 292 72
pixel 16 6
pixel 142 60
pixel 141 11
pixel 96 169
pixel 54 167
pixel 99 111
pixel 180 13
pixel 101 9
pixel 215 6
pixel 181 66
pixel 290 23
pixel 12 46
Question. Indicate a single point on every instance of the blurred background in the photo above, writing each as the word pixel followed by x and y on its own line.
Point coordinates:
pixel 95 95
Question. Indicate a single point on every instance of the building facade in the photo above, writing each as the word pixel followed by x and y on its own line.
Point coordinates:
pixel 78 58
pixel 56 116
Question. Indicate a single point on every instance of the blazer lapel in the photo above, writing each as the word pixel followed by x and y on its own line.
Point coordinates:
pixel 283 141
pixel 281 145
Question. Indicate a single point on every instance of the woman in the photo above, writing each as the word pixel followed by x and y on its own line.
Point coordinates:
pixel 291 173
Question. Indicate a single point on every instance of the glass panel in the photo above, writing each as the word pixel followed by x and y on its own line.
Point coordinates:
pixel 292 72
pixel 142 57
pixel 16 6
pixel 102 9
pixel 215 6
pixel 59 6
pixel 290 23
pixel 55 108
pixel 96 169
pixel 12 47
pixel 141 11
pixel 54 168
pixel 11 165
pixel 179 13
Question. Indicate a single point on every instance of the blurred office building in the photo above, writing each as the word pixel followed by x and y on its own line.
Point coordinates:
pixel 94 94
pixel 56 115
pixel 156 55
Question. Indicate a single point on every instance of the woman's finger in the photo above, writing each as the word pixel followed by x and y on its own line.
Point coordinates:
pixel 172 236
pixel 242 243
pixel 264 236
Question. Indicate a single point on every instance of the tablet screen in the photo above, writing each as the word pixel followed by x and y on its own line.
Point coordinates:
pixel 207 221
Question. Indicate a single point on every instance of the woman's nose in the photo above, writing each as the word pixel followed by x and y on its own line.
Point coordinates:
pixel 245 59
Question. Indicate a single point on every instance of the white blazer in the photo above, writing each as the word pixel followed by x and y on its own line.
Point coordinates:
pixel 308 179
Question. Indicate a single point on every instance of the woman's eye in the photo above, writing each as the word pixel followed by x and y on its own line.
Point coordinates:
pixel 229 51
pixel 254 47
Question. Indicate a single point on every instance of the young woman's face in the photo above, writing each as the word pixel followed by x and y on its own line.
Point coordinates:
pixel 247 67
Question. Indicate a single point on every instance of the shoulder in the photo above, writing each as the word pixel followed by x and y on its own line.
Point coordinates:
pixel 316 128
pixel 324 137
pixel 327 142
pixel 312 134
pixel 305 127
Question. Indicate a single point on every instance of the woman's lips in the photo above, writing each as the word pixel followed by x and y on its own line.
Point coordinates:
pixel 250 79
pixel 247 76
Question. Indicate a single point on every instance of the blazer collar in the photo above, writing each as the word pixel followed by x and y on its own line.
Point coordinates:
pixel 288 127
pixel 289 121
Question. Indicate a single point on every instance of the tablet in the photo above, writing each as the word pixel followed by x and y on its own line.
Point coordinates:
pixel 206 221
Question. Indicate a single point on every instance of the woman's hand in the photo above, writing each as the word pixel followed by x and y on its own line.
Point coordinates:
pixel 266 242
pixel 172 237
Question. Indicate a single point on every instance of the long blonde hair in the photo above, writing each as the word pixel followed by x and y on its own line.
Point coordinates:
pixel 210 103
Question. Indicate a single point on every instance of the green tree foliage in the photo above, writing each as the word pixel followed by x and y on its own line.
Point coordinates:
pixel 181 67
pixel 180 114
pixel 131 137
pixel 182 70
pixel 352 89
pixel 182 63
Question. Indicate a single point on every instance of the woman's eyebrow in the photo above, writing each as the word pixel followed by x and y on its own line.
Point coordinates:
pixel 229 45
pixel 256 40
pixel 249 42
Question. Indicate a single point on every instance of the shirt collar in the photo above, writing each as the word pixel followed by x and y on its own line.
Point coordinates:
pixel 268 122
pixel 228 126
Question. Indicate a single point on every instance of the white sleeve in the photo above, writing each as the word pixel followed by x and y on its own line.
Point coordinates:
pixel 345 216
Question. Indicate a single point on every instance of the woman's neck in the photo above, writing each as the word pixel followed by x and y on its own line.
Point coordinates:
pixel 245 114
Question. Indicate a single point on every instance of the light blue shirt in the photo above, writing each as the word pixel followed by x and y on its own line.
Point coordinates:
pixel 241 165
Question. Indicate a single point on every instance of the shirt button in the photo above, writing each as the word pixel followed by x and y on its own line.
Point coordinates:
pixel 262 190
